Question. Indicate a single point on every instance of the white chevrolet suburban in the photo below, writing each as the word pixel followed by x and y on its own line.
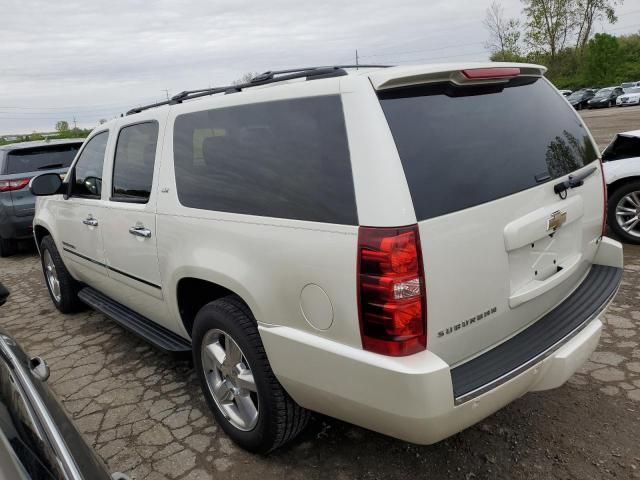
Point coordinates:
pixel 408 249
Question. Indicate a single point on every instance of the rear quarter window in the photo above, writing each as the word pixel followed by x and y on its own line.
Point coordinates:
pixel 464 146
pixel 284 159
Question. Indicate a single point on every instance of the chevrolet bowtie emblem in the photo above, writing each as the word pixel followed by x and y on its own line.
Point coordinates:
pixel 556 220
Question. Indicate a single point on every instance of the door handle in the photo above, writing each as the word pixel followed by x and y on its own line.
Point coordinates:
pixel 90 221
pixel 140 231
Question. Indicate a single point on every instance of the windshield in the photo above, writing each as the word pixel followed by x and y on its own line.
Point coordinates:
pixel 632 90
pixel 463 146
pixel 605 92
pixel 576 95
pixel 41 158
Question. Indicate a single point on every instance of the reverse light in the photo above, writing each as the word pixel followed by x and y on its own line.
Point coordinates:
pixel 488 73
pixel 391 290
pixel 14 184
pixel 605 201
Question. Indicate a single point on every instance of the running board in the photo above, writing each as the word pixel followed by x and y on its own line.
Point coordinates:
pixel 158 336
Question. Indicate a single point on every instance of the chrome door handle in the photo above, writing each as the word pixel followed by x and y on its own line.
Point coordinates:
pixel 140 231
pixel 92 222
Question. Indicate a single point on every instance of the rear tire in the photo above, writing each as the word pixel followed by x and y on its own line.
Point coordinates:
pixel 63 288
pixel 8 247
pixel 621 200
pixel 225 329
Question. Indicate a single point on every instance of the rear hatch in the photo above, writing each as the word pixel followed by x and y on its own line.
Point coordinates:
pixel 482 156
pixel 26 163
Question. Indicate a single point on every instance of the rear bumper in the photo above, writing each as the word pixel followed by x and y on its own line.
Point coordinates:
pixel 417 398
pixel 12 226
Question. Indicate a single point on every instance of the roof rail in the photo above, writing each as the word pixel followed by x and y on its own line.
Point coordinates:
pixel 310 73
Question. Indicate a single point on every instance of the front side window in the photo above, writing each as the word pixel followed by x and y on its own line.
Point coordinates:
pixel 87 175
pixel 284 159
pixel 133 163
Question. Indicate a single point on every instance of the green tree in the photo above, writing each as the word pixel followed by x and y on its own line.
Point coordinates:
pixel 62 126
pixel 504 34
pixel 246 78
pixel 549 24
pixel 602 62
pixel 589 11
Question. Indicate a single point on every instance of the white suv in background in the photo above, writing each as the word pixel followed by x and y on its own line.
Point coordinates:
pixel 408 249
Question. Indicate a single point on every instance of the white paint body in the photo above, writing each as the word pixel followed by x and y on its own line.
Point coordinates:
pixel 624 168
pixel 475 259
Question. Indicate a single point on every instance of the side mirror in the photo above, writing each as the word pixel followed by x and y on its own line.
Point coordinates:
pixel 4 293
pixel 45 184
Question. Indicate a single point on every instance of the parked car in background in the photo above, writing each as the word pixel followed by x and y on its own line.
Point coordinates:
pixel 631 96
pixel 566 93
pixel 580 98
pixel 605 97
pixel 37 438
pixel 19 163
pixel 621 163
pixel 294 236
pixel 626 85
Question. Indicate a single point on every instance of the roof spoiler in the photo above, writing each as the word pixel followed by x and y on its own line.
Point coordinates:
pixel 489 73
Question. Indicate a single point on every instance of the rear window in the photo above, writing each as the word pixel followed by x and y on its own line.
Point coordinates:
pixel 41 158
pixel 463 146
pixel 285 159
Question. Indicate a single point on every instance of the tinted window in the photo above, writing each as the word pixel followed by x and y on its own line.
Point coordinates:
pixel 87 177
pixel 622 147
pixel 286 159
pixel 41 158
pixel 134 160
pixel 462 146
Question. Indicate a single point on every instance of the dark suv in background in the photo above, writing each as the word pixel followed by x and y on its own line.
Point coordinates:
pixel 19 163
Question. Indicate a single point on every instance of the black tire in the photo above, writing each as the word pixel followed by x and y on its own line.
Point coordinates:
pixel 69 287
pixel 280 419
pixel 614 199
pixel 8 247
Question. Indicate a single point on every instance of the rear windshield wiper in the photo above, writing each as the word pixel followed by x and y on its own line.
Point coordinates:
pixel 572 182
pixel 51 165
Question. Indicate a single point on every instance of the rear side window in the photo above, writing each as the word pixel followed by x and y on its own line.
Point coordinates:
pixel 621 148
pixel 87 175
pixel 286 159
pixel 134 161
pixel 41 158
pixel 463 146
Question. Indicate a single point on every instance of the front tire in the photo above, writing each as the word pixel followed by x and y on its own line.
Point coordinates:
pixel 242 391
pixel 63 288
pixel 623 215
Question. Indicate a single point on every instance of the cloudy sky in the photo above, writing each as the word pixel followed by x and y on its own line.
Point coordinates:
pixel 93 59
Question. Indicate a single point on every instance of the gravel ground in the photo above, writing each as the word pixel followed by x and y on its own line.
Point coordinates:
pixel 143 412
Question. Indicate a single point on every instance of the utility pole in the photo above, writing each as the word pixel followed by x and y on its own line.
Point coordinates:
pixel 166 91
pixel 357 58
pixel 75 125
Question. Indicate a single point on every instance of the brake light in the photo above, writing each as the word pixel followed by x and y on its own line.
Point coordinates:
pixel 487 73
pixel 605 201
pixel 391 290
pixel 15 184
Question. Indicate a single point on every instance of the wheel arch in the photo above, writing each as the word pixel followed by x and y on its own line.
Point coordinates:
pixel 620 182
pixel 193 292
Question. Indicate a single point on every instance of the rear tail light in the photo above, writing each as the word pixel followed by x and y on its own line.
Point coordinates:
pixel 604 194
pixel 391 290
pixel 487 73
pixel 15 184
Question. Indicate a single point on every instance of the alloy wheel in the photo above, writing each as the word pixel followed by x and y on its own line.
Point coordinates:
pixel 52 276
pixel 628 213
pixel 230 379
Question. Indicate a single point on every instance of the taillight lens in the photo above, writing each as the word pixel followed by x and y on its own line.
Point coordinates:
pixel 15 184
pixel 604 193
pixel 391 290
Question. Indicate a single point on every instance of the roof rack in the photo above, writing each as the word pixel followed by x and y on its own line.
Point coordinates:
pixel 310 73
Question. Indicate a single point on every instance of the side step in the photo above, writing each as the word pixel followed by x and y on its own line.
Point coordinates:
pixel 158 336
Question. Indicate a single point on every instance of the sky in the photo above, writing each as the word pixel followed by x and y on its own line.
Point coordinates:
pixel 87 60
